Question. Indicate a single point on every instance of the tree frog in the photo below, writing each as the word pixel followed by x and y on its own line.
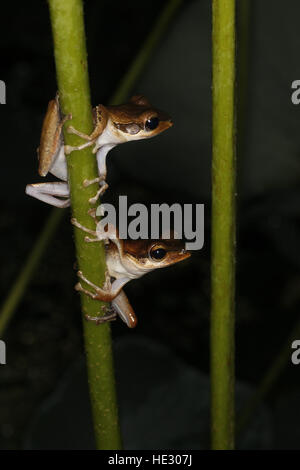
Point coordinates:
pixel 126 260
pixel 113 125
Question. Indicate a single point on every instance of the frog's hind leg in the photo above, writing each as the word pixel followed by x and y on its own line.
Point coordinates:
pixel 50 193
pixel 124 309
pixel 107 317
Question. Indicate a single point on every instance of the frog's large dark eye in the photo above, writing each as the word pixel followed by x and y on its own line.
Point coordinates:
pixel 157 253
pixel 151 123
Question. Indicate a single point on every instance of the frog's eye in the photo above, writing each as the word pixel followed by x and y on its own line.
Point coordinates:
pixel 151 123
pixel 157 253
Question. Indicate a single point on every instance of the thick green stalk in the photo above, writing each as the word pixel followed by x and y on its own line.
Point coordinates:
pixel 223 225
pixel 18 287
pixel 73 85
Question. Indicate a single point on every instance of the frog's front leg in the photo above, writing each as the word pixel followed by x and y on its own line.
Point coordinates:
pixel 90 140
pixel 110 234
pixel 50 193
pixel 100 121
pixel 107 293
pixel 87 230
pixel 69 148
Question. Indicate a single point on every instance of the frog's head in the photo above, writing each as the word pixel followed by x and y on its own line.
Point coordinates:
pixel 137 119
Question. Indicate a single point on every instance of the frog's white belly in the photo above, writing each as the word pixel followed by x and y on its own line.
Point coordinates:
pixel 117 269
pixel 59 166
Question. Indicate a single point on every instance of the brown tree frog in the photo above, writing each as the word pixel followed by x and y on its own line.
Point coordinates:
pixel 113 125
pixel 126 260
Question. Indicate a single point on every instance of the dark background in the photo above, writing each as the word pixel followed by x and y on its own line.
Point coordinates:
pixel 163 365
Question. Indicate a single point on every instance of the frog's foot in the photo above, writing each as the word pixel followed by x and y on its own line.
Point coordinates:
pixel 104 319
pixel 99 124
pixel 93 213
pixel 101 293
pixel 106 284
pixel 75 222
pixel 101 190
pixel 98 238
pixel 68 148
pixel 87 183
pixel 109 315
pixel 91 139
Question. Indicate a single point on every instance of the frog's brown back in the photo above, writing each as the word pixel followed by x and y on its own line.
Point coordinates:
pixel 50 137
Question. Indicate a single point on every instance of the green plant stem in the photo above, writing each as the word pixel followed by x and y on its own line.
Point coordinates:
pixel 18 288
pixel 73 85
pixel 15 295
pixel 223 225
